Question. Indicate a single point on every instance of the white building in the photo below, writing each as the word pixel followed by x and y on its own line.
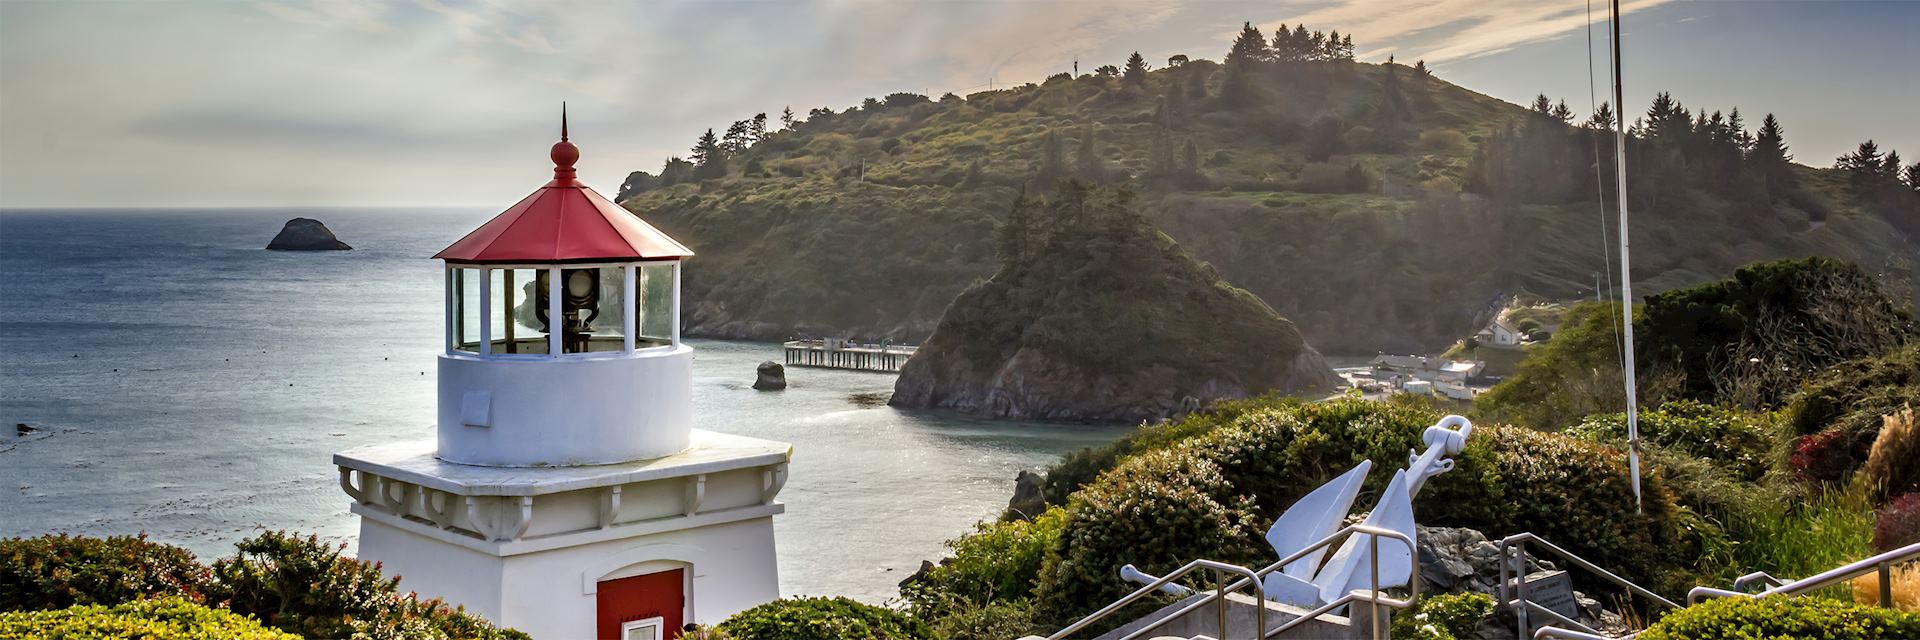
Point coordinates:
pixel 566 493
pixel 1499 333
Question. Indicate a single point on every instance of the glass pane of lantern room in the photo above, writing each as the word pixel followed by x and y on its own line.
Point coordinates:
pixel 467 310
pixel 517 296
pixel 608 328
pixel 655 290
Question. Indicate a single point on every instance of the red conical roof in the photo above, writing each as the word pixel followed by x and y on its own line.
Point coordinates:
pixel 565 221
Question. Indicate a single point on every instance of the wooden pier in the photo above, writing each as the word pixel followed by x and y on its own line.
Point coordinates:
pixel 841 354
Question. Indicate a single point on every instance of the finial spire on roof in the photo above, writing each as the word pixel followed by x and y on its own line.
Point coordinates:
pixel 564 154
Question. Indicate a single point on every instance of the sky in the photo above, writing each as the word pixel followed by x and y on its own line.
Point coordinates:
pixel 225 103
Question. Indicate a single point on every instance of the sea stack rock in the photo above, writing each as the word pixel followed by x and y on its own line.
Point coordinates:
pixel 1029 496
pixel 1107 320
pixel 306 234
pixel 773 377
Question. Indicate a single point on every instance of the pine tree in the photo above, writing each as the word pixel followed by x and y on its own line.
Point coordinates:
pixel 757 128
pixel 710 160
pixel 1136 71
pixel 786 118
pixel 1913 178
pixel 1173 106
pixel 1737 127
pixel 1562 113
pixel 1769 158
pixel 1863 165
pixel 1053 160
pixel 1890 168
pixel 1602 118
pixel 1331 49
pixel 1346 48
pixel 1249 50
pixel 1666 118
pixel 1013 238
pixel 735 140
pixel 1542 105
pixel 1091 168
pixel 1420 69
pixel 1316 46
pixel 1299 41
pixel 1160 157
pixel 1190 164
pixel 1282 48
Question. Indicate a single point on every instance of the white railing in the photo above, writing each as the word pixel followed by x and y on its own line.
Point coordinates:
pixel 1882 564
pixel 1523 608
pixel 1218 596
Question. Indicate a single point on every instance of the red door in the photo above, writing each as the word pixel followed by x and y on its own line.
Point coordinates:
pixel 634 605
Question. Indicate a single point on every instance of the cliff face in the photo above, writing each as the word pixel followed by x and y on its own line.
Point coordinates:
pixel 1096 316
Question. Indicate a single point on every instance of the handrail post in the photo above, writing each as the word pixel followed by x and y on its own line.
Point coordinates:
pixel 1220 602
pixel 1520 587
pixel 1886 584
pixel 1373 600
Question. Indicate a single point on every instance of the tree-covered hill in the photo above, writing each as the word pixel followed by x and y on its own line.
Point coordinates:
pixel 1092 314
pixel 1377 206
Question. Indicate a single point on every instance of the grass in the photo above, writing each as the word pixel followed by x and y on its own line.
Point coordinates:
pixel 1792 539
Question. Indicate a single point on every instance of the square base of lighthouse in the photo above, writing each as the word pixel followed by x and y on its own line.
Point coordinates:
pixel 577 552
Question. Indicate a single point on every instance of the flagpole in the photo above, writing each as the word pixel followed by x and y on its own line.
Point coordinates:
pixel 1626 274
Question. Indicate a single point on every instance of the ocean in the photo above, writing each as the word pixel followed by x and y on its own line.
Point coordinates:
pixel 189 384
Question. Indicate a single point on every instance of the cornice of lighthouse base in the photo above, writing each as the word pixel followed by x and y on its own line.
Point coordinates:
pixel 530 548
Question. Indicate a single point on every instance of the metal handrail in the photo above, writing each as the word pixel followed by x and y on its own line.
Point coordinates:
pixel 1881 563
pixel 1155 586
pixel 1519 600
pixel 1740 583
pixel 1254 578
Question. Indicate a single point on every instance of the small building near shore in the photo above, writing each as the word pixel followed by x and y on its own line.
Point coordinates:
pixel 565 492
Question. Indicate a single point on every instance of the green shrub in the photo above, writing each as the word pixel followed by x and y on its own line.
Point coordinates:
pixel 997 562
pixel 1751 339
pixel 1076 469
pixel 1776 617
pixel 1851 400
pixel 306 587
pixel 814 618
pixel 169 618
pixel 1575 494
pixel 1157 511
pixel 991 621
pixel 54 572
pixel 1445 616
pixel 1740 441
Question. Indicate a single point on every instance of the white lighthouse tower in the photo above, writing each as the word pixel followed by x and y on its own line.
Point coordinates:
pixel 567 493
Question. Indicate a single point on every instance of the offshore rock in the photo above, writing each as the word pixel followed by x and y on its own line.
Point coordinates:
pixel 306 234
pixel 1029 496
pixel 772 376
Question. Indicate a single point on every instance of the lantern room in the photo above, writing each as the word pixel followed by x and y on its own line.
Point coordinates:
pixel 562 333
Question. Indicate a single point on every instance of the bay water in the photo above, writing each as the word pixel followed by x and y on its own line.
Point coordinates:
pixel 186 383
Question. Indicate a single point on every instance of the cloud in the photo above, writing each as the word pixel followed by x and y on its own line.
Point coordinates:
pixel 1443 30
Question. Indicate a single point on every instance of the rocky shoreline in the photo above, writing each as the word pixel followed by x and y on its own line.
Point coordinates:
pixel 1033 385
